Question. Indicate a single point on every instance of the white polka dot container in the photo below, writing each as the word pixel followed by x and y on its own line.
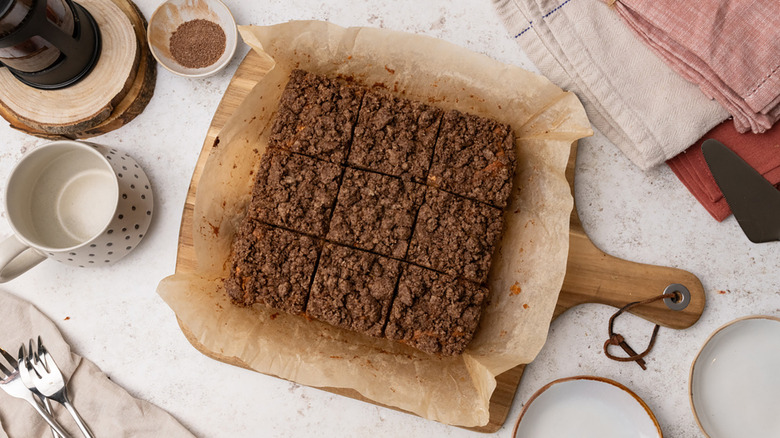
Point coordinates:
pixel 132 215
pixel 79 203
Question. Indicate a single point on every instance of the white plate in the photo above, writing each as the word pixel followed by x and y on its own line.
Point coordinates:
pixel 735 380
pixel 585 407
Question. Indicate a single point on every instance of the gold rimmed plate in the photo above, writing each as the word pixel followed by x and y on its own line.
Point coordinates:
pixel 734 386
pixel 586 407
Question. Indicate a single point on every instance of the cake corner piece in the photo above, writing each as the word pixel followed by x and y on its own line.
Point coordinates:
pixel 474 157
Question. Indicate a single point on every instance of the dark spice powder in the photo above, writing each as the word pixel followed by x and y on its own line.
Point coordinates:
pixel 197 43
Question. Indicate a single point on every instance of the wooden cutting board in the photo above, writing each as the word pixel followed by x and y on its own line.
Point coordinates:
pixel 114 93
pixel 591 275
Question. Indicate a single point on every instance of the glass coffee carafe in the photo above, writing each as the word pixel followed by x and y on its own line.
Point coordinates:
pixel 48 44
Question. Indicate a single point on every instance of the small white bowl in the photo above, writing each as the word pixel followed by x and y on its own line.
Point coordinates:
pixel 173 13
pixel 733 385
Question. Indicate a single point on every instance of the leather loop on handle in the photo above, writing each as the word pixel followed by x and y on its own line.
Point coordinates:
pixel 619 340
pixel 16 258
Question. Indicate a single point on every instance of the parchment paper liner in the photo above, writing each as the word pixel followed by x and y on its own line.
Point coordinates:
pixel 529 264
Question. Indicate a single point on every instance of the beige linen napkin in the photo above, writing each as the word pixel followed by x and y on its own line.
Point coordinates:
pixel 630 95
pixel 108 409
pixel 731 50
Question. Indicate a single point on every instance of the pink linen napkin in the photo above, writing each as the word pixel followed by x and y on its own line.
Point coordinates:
pixel 762 151
pixel 730 49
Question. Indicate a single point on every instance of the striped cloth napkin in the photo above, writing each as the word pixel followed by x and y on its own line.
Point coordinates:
pixel 730 49
pixel 631 96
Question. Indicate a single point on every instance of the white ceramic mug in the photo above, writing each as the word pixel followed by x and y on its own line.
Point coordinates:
pixel 78 203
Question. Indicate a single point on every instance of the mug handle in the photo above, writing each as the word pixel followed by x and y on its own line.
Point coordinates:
pixel 16 258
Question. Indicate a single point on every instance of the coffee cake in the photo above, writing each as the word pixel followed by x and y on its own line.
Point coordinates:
pixel 272 266
pixel 395 136
pixel 455 235
pixel 376 212
pixel 388 232
pixel 475 158
pixel 353 289
pixel 296 192
pixel 435 312
pixel 316 116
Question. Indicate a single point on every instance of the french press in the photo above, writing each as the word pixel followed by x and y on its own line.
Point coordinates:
pixel 48 44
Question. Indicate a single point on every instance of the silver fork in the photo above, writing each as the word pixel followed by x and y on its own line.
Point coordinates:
pixel 11 383
pixel 49 381
pixel 24 374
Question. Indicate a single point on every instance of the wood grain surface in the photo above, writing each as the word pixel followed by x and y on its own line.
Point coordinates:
pixel 116 91
pixel 591 275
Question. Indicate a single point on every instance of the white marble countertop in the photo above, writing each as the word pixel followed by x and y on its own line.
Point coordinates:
pixel 113 316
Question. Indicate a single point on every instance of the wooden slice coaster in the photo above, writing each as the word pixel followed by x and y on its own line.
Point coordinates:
pixel 118 88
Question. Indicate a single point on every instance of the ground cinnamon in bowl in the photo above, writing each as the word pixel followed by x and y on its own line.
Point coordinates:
pixel 197 43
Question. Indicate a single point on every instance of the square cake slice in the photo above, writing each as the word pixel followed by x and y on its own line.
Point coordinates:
pixel 295 191
pixel 395 136
pixel 376 212
pixel 353 289
pixel 475 158
pixel 434 312
pixel 455 235
pixel 316 116
pixel 272 266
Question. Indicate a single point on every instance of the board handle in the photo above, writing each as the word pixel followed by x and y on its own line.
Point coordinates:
pixel 595 277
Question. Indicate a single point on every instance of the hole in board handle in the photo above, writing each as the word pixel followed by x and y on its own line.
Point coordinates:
pixel 681 299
